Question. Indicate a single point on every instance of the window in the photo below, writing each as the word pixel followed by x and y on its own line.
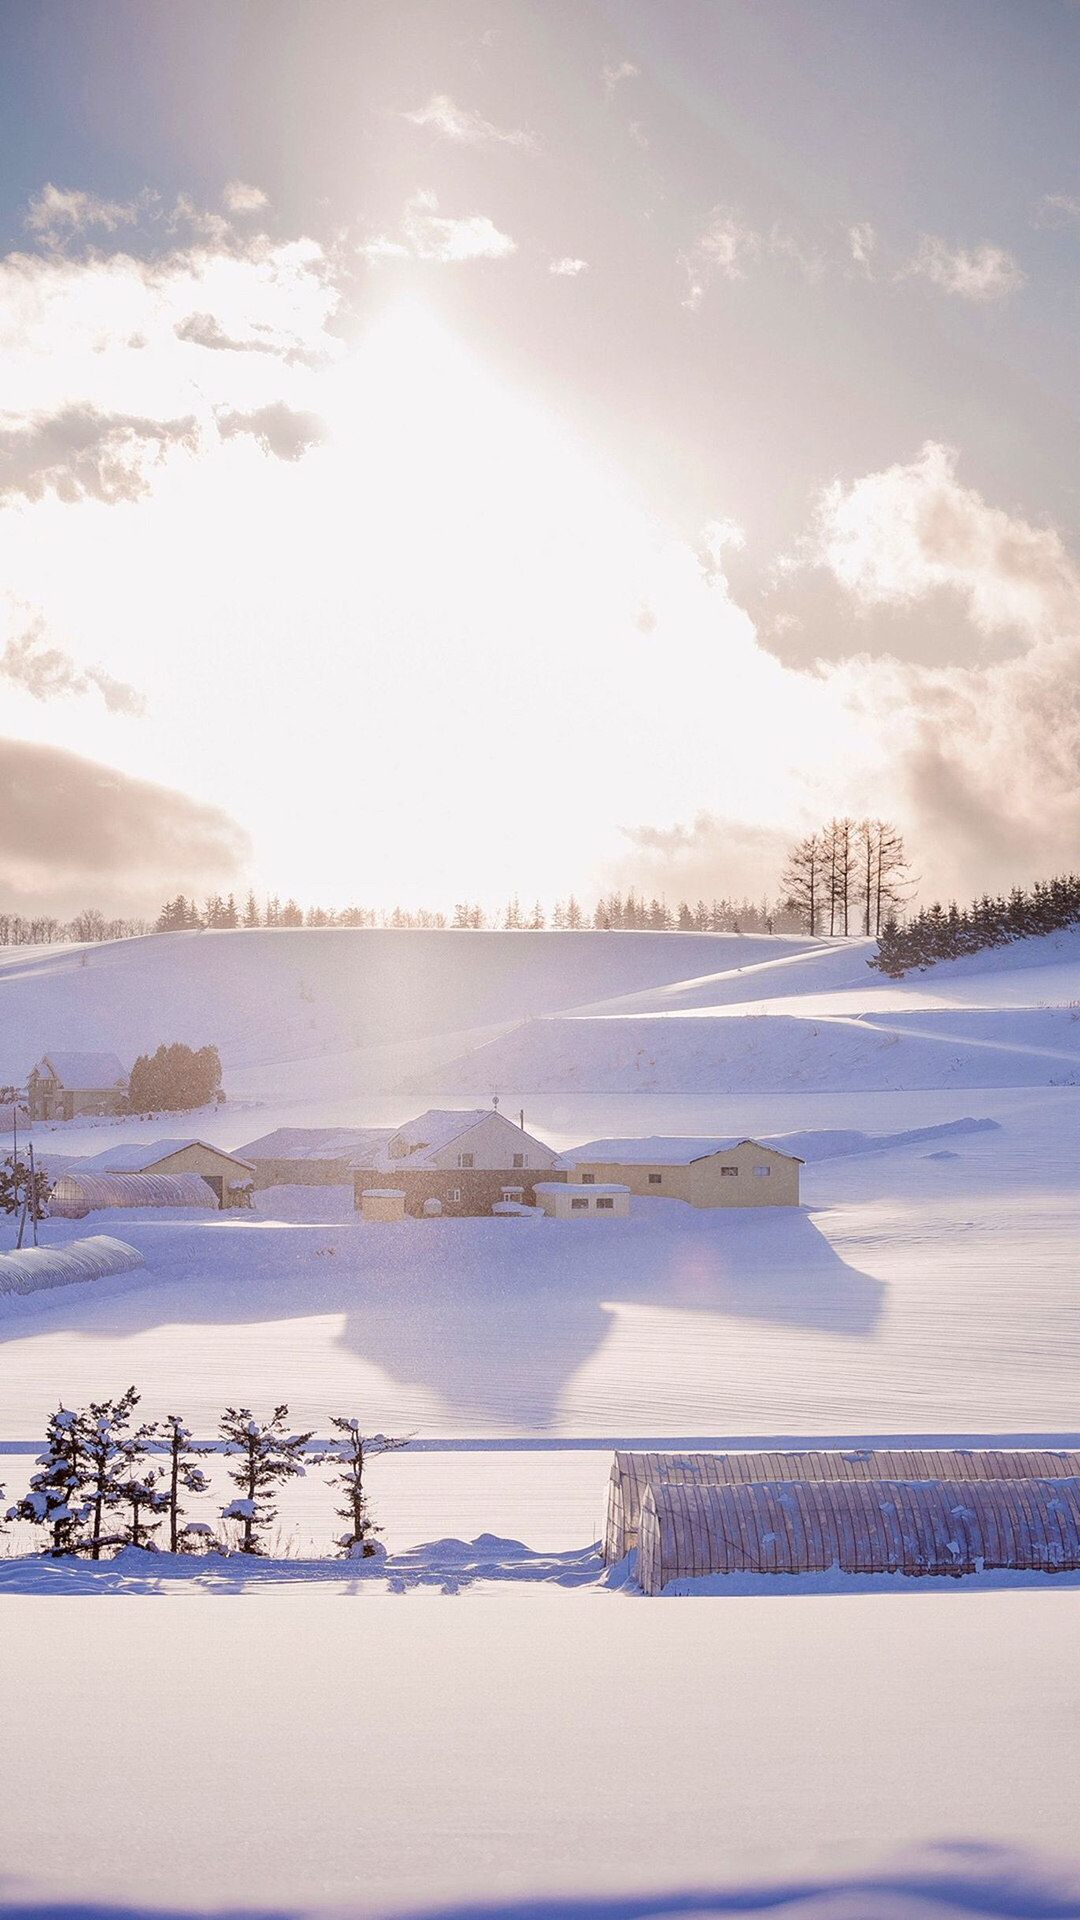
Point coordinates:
pixel 732 1171
pixel 520 1160
pixel 762 1173
pixel 465 1160
pixel 579 1203
pixel 588 1179
pixel 607 1205
pixel 655 1179
pixel 455 1195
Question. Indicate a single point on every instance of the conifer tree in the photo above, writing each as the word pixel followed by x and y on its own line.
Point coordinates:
pixel 148 1501
pixel 350 1453
pixel 183 1473
pixel 112 1452
pixel 57 1496
pixel 265 1457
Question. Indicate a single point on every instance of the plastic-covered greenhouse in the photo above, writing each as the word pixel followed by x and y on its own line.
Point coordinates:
pixel 77 1194
pixel 888 1526
pixel 632 1473
pixel 33 1269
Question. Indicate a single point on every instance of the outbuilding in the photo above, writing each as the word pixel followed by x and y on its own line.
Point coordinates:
pixel 571 1202
pixel 312 1156
pixel 704 1173
pixel 633 1473
pixel 65 1085
pixel 76 1194
pixel 914 1527
pixel 230 1179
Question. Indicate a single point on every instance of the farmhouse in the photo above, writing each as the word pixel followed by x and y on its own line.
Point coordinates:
pixel 229 1178
pixel 63 1086
pixel 632 1474
pixel 705 1173
pixel 458 1163
pixel 312 1156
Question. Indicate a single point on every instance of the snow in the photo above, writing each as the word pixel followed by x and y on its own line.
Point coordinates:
pixel 505 1724
pixel 83 1072
pixel 35 1269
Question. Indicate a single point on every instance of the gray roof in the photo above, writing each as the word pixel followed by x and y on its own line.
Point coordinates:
pixel 668 1150
pixel 86 1072
pixel 315 1143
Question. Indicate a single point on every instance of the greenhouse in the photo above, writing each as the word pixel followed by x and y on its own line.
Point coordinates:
pixel 34 1269
pixel 915 1527
pixel 632 1473
pixel 77 1194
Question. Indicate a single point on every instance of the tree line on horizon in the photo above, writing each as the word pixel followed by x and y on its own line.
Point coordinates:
pixel 105 1483
pixel 614 911
pixel 946 933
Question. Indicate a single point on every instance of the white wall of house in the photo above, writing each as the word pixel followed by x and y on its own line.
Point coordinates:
pixel 495 1144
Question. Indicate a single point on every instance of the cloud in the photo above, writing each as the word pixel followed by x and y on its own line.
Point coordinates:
pixel 48 673
pixel 82 454
pixel 568 268
pixel 238 197
pixel 1056 210
pixel 708 858
pixel 981 273
pixel 70 826
pixel 612 76
pixel 862 241
pixel 726 249
pixel 465 127
pixel 278 429
pixel 57 213
pixel 893 538
pixel 429 235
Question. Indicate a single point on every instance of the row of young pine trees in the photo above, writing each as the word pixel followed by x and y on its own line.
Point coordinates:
pixel 945 933
pixel 105 1482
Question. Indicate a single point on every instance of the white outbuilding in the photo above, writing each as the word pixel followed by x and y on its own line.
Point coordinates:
pixel 608 1200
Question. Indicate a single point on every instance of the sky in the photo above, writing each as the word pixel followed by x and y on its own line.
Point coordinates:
pixel 504 446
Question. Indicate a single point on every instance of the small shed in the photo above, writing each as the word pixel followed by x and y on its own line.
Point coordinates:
pixel 76 1194
pixel 34 1269
pixel 607 1201
pixel 382 1203
pixel 633 1473
pixel 915 1527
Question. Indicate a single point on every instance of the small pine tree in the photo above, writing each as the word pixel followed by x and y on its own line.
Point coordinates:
pixel 182 1472
pixel 57 1496
pixel 351 1453
pixel 112 1453
pixel 148 1501
pixel 265 1456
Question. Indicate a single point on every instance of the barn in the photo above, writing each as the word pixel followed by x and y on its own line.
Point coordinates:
pixel 914 1527
pixel 704 1173
pixel 78 1193
pixel 633 1473
pixel 229 1178
pixel 312 1156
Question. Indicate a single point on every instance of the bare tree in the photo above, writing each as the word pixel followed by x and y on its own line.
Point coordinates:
pixel 803 881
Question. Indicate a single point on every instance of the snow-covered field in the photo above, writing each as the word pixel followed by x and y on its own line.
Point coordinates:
pixel 426 1750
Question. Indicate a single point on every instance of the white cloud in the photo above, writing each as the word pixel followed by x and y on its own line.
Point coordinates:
pixel 56 213
pixel 614 74
pixel 239 197
pixel 891 538
pixel 862 241
pixel 568 267
pixel 1057 210
pixel 430 235
pixel 465 127
pixel 48 673
pixel 982 273
pixel 725 250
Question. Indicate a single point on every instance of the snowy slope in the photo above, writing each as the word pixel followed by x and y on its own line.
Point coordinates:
pixel 815 1021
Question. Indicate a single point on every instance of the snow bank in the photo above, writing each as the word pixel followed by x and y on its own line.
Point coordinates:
pixel 34 1269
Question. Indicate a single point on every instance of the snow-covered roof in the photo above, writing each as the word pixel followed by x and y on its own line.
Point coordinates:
pixel 85 1072
pixel 432 1132
pixel 668 1150
pixel 315 1143
pixel 137 1155
pixel 33 1269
